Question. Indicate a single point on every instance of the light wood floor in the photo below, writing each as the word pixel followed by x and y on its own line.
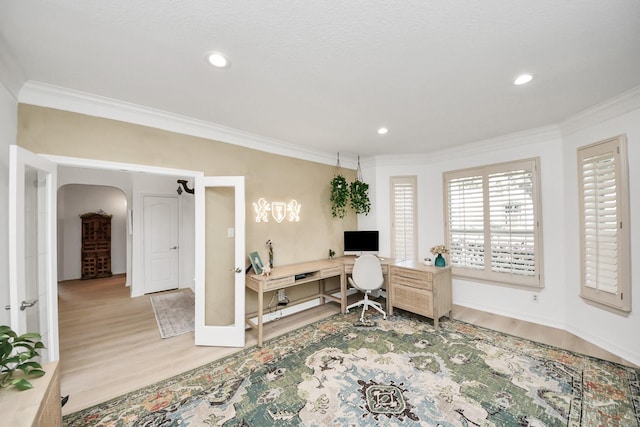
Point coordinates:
pixel 110 344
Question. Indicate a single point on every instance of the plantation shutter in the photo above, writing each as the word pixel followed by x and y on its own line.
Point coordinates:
pixel 604 209
pixel 403 226
pixel 466 222
pixel 511 219
pixel 600 222
pixel 493 230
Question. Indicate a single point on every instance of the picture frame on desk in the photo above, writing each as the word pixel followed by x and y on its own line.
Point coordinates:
pixel 256 262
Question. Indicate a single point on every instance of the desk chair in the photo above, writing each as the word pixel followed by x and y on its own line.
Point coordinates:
pixel 367 277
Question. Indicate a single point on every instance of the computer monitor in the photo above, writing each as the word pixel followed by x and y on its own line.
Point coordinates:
pixel 361 242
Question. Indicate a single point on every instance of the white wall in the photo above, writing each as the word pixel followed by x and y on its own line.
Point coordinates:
pixel 617 332
pixel 8 128
pixel 559 304
pixel 77 199
pixel 68 254
pixel 514 302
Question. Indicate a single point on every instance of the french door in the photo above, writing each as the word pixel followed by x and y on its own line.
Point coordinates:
pixel 220 261
pixel 33 286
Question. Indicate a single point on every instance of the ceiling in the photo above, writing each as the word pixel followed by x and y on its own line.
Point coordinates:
pixel 325 75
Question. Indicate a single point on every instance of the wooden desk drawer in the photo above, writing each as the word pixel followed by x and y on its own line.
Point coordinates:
pixel 419 283
pixel 331 272
pixel 412 274
pixel 417 301
pixel 278 283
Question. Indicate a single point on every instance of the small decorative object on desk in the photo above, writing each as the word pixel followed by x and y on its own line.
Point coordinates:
pixel 270 247
pixel 332 254
pixel 266 270
pixel 439 250
pixel 427 261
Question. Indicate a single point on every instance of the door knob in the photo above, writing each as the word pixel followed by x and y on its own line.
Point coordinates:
pixel 26 304
pixel 173 247
pixel 238 270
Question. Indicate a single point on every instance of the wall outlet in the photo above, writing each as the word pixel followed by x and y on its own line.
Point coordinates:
pixel 282 297
pixel 534 297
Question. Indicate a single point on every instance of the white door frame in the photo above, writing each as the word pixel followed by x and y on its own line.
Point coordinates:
pixel 47 302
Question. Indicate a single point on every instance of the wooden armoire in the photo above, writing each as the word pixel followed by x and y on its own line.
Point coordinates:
pixel 96 245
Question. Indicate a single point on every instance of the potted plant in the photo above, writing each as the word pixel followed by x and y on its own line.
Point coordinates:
pixel 359 197
pixel 16 355
pixel 339 196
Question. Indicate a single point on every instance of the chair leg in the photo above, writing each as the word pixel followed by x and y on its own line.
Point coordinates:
pixel 366 303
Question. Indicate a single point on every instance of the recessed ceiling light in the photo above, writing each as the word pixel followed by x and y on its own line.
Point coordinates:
pixel 218 60
pixel 382 131
pixel 523 79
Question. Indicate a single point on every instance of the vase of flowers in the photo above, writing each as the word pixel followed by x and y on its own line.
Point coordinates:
pixel 438 251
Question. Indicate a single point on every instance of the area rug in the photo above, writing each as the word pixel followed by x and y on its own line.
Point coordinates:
pixel 398 372
pixel 175 313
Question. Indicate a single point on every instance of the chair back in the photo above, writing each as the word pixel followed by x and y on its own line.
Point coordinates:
pixel 367 273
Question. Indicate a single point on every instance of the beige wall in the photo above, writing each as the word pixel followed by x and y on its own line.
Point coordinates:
pixel 274 177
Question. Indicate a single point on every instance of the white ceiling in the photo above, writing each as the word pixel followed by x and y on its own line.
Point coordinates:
pixel 325 74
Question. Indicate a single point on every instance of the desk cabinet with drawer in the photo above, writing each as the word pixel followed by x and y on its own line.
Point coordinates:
pixel 420 289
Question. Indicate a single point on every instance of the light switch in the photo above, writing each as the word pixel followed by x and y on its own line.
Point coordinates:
pixel 231 232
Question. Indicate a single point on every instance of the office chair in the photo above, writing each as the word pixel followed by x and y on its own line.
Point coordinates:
pixel 367 277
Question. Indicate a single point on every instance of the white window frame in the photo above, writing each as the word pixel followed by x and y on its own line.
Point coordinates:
pixel 605 261
pixel 479 264
pixel 411 214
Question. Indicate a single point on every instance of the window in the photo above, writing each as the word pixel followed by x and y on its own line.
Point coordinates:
pixel 492 222
pixel 604 223
pixel 403 217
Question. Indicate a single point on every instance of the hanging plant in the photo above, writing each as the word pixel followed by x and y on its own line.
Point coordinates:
pixel 358 191
pixel 339 196
pixel 359 197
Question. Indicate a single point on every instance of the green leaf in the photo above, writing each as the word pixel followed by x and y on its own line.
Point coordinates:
pixel 36 373
pixel 22 384
pixel 31 336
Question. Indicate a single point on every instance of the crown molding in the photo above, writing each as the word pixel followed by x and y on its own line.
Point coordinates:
pixel 45 95
pixel 613 107
pixel 504 142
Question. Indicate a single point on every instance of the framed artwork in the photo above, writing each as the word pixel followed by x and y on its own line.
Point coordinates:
pixel 256 262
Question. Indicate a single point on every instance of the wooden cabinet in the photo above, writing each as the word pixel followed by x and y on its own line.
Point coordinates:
pixel 36 407
pixel 420 289
pixel 96 245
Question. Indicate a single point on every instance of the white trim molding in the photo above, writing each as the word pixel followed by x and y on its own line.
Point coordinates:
pixel 45 95
pixel 613 107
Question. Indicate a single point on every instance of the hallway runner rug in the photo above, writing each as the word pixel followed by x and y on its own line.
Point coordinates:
pixel 175 312
pixel 398 372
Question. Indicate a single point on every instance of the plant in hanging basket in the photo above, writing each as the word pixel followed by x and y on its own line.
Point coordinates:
pixel 359 197
pixel 16 354
pixel 339 196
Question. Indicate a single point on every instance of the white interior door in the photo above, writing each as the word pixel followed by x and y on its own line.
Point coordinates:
pixel 33 286
pixel 161 237
pixel 220 260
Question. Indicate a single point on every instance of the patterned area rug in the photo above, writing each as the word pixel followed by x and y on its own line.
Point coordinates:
pixel 175 312
pixel 398 372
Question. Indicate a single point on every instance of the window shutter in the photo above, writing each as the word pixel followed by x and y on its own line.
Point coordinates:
pixel 604 204
pixel 466 222
pixel 600 223
pixel 493 223
pixel 403 219
pixel 511 214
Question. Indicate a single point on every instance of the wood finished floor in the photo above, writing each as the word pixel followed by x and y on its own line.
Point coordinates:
pixel 110 344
